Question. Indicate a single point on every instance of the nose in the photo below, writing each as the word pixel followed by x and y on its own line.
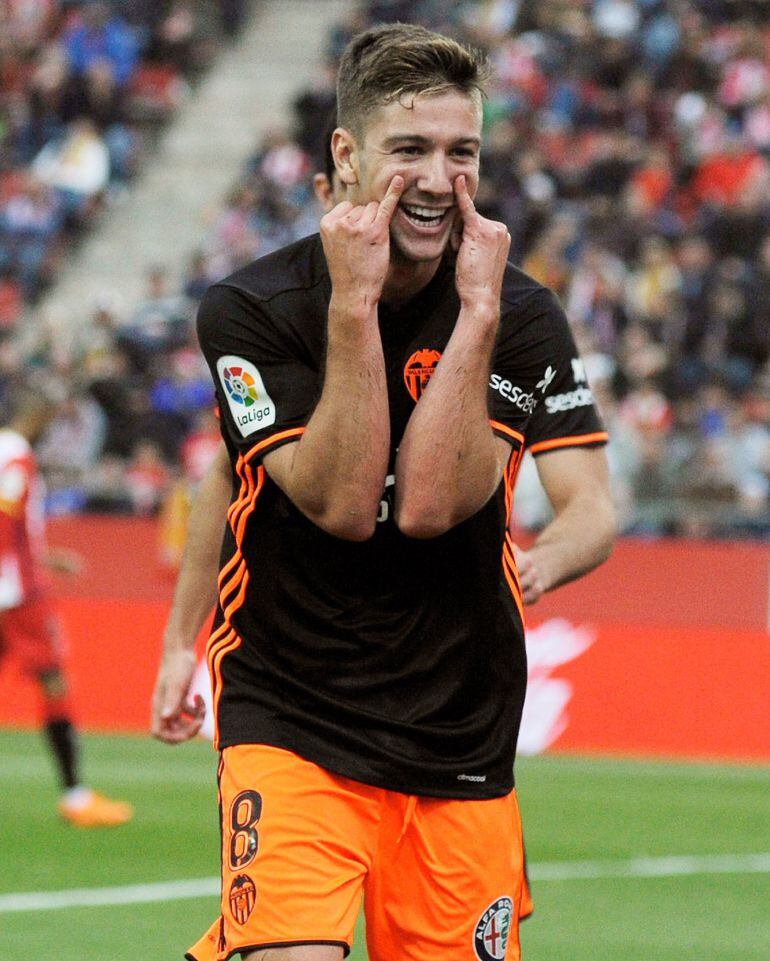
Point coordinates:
pixel 435 175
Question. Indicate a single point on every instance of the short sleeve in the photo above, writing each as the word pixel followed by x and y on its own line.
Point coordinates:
pixel 265 393
pixel 537 386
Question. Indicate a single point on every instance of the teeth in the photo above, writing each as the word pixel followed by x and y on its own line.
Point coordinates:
pixel 428 212
pixel 424 216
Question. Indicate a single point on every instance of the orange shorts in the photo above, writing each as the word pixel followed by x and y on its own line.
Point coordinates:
pixel 33 634
pixel 441 880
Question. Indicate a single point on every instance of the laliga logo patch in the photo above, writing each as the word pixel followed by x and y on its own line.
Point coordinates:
pixel 419 370
pixel 243 896
pixel 248 400
pixel 239 385
pixel 490 937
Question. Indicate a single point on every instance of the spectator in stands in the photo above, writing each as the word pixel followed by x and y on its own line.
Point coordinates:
pixel 72 441
pixel 161 321
pixel 29 223
pixel 627 152
pixel 77 166
pixel 197 278
pixel 182 386
pixel 147 478
pixel 96 339
pixel 100 38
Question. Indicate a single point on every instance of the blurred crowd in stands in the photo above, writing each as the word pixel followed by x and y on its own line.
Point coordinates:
pixel 82 85
pixel 627 149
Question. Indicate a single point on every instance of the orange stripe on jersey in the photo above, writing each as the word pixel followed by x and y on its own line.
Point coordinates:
pixel 508 560
pixel 214 673
pixel 514 587
pixel 510 556
pixel 282 435
pixel 245 496
pixel 246 493
pixel 229 643
pixel 234 576
pixel 509 431
pixel 227 589
pixel 236 515
pixel 598 438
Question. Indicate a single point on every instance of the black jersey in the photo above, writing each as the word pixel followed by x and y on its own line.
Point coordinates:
pixel 397 662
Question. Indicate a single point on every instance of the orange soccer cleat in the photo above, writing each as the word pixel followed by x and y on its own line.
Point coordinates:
pixel 95 811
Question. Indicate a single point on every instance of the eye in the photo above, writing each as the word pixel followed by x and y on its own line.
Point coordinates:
pixel 408 150
pixel 465 153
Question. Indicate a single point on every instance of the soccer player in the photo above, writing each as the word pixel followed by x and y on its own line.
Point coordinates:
pixel 29 627
pixel 377 387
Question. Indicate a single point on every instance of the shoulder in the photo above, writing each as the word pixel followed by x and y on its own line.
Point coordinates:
pixel 277 303
pixel 301 266
pixel 529 309
pixel 522 293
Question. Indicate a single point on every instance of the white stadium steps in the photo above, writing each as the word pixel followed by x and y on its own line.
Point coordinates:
pixel 248 91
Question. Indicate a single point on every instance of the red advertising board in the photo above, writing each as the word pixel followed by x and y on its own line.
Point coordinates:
pixel 663 651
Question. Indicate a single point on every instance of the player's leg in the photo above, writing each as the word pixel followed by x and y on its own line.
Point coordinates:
pixel 58 728
pixel 297 842
pixel 33 631
pixel 448 882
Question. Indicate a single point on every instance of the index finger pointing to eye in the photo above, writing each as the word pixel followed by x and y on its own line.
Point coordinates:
pixel 389 202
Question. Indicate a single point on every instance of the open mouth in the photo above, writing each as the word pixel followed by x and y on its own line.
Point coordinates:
pixel 424 216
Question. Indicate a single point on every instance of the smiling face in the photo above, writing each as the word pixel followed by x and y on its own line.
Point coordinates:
pixel 429 140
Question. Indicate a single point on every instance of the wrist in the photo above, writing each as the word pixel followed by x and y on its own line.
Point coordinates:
pixel 353 307
pixel 481 310
pixel 176 646
pixel 478 324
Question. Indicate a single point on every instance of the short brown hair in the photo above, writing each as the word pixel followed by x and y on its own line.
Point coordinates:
pixel 387 62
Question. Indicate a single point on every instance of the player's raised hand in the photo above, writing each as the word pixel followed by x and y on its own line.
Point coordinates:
pixel 356 241
pixel 175 717
pixel 481 252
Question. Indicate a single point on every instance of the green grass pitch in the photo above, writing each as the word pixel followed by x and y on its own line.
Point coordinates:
pixel 574 810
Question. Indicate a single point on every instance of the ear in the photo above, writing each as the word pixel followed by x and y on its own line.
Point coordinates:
pixel 345 153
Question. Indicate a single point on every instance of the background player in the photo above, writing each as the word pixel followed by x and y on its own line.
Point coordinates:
pixel 29 627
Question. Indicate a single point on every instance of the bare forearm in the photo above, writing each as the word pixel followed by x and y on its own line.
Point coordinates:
pixel 195 591
pixel 447 465
pixel 579 539
pixel 337 472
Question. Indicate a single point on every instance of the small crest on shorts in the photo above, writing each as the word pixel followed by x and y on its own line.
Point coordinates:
pixel 490 936
pixel 243 896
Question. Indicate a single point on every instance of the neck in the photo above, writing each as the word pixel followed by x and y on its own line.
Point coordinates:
pixel 406 278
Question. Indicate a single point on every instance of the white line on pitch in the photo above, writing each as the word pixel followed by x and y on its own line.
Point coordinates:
pixel 663 867
pixel 19 767
pixel 547 871
pixel 109 897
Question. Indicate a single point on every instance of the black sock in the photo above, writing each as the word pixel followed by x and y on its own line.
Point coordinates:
pixel 63 741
